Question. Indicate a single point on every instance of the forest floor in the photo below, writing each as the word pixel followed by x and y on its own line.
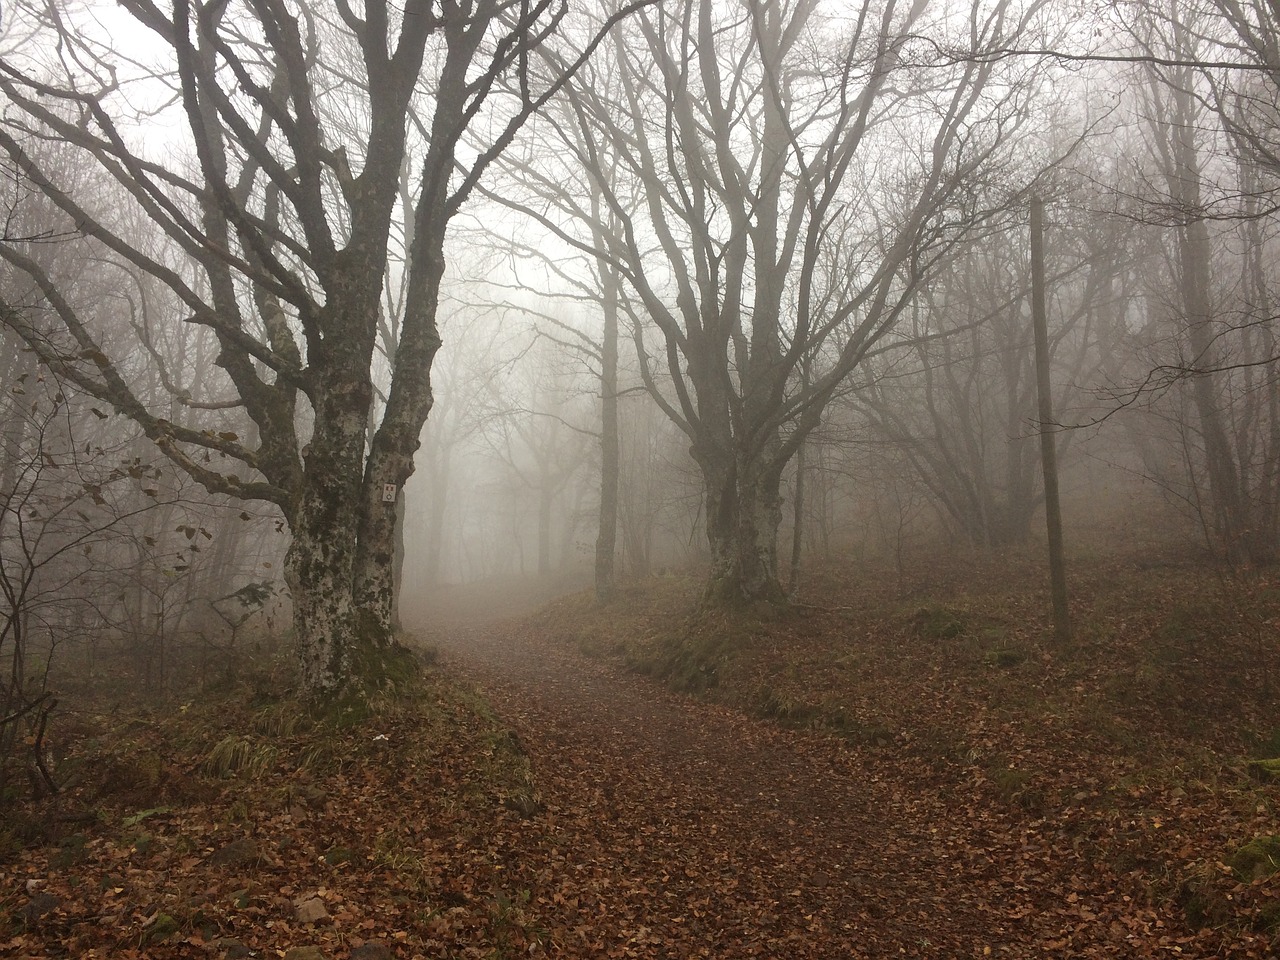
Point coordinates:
pixel 898 766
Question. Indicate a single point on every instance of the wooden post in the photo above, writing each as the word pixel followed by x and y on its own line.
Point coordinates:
pixel 1048 451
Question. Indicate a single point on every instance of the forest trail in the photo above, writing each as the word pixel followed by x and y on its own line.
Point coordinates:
pixel 671 827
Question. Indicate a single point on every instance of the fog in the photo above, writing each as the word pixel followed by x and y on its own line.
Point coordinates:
pixel 722 301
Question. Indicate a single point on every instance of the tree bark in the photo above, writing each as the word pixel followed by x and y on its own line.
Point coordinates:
pixel 1048 452
pixel 1180 153
pixel 610 453
pixel 797 523
pixel 743 514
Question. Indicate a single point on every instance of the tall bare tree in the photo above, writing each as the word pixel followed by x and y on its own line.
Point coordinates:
pixel 959 397
pixel 278 246
pixel 798 170
pixel 1210 192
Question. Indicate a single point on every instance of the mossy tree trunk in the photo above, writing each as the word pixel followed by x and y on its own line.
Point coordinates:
pixel 743 514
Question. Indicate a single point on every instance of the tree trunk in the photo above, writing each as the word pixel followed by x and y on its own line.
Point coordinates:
pixel 797 532
pixel 1194 258
pixel 546 499
pixel 318 571
pixel 397 559
pixel 743 513
pixel 610 455
pixel 1044 408
pixel 636 539
pixel 320 564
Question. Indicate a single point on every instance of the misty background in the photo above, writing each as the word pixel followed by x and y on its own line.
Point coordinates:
pixel 901 380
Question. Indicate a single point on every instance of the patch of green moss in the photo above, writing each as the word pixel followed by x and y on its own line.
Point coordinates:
pixel 345 711
pixel 162 927
pixel 1265 771
pixel 691 661
pixel 1005 659
pixel 71 850
pixel 937 623
pixel 338 855
pixel 790 710
pixel 378 671
pixel 1256 860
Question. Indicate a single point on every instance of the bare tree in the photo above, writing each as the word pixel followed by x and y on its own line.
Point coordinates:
pixel 278 246
pixel 1208 191
pixel 959 396
pixel 797 175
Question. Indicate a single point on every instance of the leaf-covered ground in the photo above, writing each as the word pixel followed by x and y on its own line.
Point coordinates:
pixel 900 767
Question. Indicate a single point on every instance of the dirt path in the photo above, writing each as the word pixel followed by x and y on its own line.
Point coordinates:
pixel 674 828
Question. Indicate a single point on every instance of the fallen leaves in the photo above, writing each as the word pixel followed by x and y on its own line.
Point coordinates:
pixel 938 815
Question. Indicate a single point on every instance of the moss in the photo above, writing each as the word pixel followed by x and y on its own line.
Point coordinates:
pixel 828 715
pixel 1256 860
pixel 378 672
pixel 937 623
pixel 162 927
pixel 343 711
pixel 1005 659
pixel 690 659
pixel 335 856
pixel 729 592
pixel 1268 919
pixel 378 664
pixel 1265 771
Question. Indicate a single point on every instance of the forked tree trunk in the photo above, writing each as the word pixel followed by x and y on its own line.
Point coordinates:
pixel 341 567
